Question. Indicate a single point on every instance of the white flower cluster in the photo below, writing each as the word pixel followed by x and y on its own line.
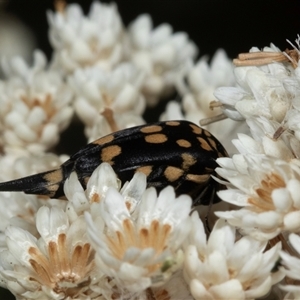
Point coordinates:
pixel 128 242
pixel 97 65
pixel 35 105
pixel 263 179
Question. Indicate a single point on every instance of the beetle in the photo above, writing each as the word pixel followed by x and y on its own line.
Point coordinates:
pixel 177 153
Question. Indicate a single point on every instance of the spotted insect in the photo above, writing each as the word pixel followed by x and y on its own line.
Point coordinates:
pixel 177 153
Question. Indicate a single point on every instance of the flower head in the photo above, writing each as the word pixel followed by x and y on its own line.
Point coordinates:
pixel 163 55
pixel 266 189
pixel 102 179
pixel 222 268
pixel 57 265
pixel 261 90
pixel 80 41
pixel 97 90
pixel 141 249
pixel 286 147
pixel 35 105
pixel 268 90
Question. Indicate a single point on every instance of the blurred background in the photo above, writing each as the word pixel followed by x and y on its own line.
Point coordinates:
pixel 235 26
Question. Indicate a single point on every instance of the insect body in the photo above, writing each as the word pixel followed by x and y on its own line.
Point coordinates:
pixel 177 153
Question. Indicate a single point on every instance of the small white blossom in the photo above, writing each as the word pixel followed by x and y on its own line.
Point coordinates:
pixel 102 179
pixel 58 264
pixel 80 41
pixel 269 92
pixel 266 189
pixel 35 105
pixel 141 249
pixel 268 97
pixel 164 56
pixel 97 90
pixel 285 147
pixel 204 77
pixel 260 91
pixel 202 80
pixel 221 268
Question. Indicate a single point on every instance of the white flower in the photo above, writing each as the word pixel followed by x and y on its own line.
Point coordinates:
pixel 57 265
pixel 202 80
pixel 286 147
pixel 266 189
pixel 142 249
pixel 221 268
pixel 35 105
pixel 99 183
pixel 292 269
pixel 165 57
pixel 80 41
pixel 270 91
pixel 97 90
pixel 204 77
pixel 267 96
pixel 260 90
pixel 266 93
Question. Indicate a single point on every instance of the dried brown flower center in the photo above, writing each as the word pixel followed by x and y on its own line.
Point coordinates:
pixel 264 201
pixel 156 237
pixel 46 104
pixel 63 270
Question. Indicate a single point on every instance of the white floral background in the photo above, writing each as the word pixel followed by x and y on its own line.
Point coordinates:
pixel 63 66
